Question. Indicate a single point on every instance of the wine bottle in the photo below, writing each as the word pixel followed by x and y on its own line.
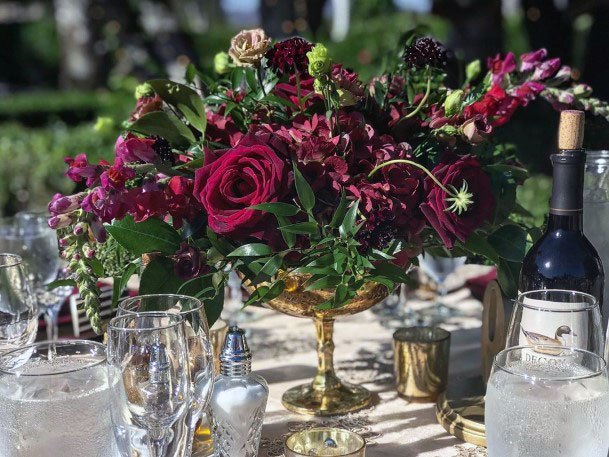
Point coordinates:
pixel 563 258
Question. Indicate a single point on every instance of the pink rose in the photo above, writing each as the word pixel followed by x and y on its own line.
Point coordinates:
pixel 239 178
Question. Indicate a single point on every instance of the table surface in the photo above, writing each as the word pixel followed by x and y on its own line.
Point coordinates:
pixel 284 354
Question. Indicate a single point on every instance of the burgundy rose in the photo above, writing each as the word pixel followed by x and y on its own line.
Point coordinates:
pixel 289 56
pixel 241 177
pixel 188 262
pixel 448 224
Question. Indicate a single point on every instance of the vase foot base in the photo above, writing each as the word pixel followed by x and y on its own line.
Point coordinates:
pixel 342 399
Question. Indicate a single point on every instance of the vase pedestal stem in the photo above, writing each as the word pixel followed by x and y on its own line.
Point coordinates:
pixel 327 394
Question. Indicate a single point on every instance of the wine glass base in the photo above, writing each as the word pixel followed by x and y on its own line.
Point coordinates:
pixel 341 399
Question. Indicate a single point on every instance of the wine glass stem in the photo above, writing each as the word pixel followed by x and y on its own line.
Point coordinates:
pixel 156 442
pixel 51 318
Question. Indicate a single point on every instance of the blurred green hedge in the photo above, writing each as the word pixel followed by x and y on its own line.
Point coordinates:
pixel 32 166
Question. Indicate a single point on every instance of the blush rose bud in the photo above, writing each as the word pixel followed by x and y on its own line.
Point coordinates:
pixel 248 47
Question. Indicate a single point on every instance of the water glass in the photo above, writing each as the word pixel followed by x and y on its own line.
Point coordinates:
pixel 544 409
pixel 54 399
pixel 200 357
pixel 18 310
pixel 148 360
pixel 596 205
pixel 439 269
pixel 556 318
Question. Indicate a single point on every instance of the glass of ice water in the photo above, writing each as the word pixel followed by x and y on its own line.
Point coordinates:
pixel 536 407
pixel 54 399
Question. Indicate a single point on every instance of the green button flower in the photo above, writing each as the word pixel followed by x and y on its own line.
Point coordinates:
pixel 320 62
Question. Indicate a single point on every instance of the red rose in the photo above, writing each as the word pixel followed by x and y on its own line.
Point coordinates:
pixel 449 224
pixel 241 177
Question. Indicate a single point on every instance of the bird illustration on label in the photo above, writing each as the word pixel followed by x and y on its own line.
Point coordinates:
pixel 537 339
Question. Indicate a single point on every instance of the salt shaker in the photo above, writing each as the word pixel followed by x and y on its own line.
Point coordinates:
pixel 238 400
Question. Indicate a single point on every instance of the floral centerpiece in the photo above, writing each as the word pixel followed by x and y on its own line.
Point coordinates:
pixel 284 162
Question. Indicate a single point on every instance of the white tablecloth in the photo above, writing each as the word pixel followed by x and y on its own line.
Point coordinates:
pixel 284 354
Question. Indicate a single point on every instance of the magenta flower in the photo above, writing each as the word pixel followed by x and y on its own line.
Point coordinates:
pixel 116 176
pixel 531 60
pixel 79 168
pixel 62 220
pixel 546 69
pixel 135 149
pixel 499 68
pixel 61 204
pixel 106 204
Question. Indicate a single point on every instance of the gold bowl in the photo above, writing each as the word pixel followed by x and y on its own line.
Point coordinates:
pixel 326 394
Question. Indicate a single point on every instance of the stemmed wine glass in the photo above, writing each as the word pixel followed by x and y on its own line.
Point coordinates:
pixel 18 310
pixel 148 359
pixel 29 236
pixel 438 269
pixel 559 318
pixel 200 354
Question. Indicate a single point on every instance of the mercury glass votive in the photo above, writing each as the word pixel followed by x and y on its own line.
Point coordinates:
pixel 325 442
pixel 421 362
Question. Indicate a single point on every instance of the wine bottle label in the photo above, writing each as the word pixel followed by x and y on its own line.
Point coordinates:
pixel 549 323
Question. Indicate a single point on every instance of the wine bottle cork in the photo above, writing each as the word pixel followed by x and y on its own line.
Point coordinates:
pixel 571 130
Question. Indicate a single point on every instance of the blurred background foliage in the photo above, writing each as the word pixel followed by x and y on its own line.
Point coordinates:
pixel 67 62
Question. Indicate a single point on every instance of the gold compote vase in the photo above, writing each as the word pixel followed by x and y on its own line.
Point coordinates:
pixel 326 394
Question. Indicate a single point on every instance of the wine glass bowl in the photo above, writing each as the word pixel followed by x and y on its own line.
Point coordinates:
pixel 147 355
pixel 18 308
pixel 558 318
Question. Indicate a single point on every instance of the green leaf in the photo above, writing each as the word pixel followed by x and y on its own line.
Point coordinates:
pixel 236 77
pixel 289 238
pixel 477 244
pixel 165 125
pixel 210 290
pixel 509 242
pixel 197 120
pixel 517 172
pixel 61 283
pixel 252 80
pixel 271 267
pixel 390 270
pixel 341 210
pixel 251 250
pixel 191 73
pixel 304 191
pixel 221 244
pixel 507 276
pixel 347 227
pixel 121 283
pixel 97 267
pixel 175 94
pixel 301 228
pixel 159 278
pixel 277 208
pixel 151 235
pixel 327 282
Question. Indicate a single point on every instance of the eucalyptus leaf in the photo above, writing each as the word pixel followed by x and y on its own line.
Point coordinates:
pixel 301 228
pixel 347 227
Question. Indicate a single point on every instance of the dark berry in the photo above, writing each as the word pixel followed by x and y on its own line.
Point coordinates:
pixel 163 149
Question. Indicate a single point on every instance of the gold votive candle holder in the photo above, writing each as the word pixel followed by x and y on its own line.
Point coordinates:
pixel 325 442
pixel 420 356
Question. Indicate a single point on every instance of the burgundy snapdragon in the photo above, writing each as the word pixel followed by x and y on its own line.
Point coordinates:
pixel 116 176
pixel 79 168
pixel 500 67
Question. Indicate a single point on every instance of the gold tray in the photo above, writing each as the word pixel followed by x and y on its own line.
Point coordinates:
pixel 463 418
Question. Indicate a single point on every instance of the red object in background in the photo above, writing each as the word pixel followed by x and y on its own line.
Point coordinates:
pixel 478 284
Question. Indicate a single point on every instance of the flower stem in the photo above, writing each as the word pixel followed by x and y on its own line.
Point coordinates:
pixel 259 74
pixel 423 100
pixel 298 90
pixel 414 164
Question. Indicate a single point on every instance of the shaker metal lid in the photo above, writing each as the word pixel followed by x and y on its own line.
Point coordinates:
pixel 235 349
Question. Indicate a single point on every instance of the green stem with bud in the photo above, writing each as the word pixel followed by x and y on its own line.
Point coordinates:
pixel 414 164
pixel 423 100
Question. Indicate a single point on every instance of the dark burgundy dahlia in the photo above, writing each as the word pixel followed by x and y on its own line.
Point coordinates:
pixel 289 56
pixel 425 51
